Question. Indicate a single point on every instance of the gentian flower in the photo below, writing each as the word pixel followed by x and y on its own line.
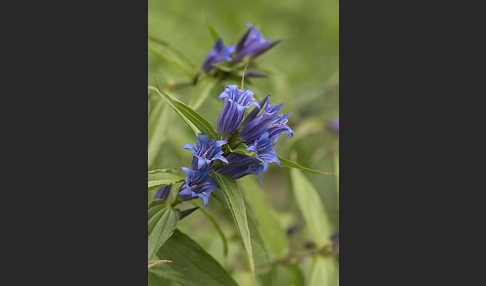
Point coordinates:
pixel 162 193
pixel 269 121
pixel 263 147
pixel 206 151
pixel 236 101
pixel 334 125
pixel 218 54
pixel 252 44
pixel 197 184
pixel 241 165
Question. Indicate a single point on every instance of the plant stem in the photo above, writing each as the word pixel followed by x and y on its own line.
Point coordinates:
pixel 182 85
pixel 294 258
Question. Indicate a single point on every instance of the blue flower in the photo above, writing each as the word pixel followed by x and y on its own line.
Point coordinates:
pixel 263 147
pixel 252 44
pixel 269 121
pixel 236 101
pixel 197 184
pixel 334 125
pixel 241 165
pixel 218 54
pixel 162 193
pixel 206 151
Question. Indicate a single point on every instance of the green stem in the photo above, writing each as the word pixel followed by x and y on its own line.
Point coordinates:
pixel 326 250
pixel 181 85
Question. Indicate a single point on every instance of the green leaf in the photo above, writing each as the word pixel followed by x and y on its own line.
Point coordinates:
pixel 271 231
pixel 241 149
pixel 172 50
pixel 323 272
pixel 157 280
pixel 171 56
pixel 283 274
pixel 195 121
pixel 191 265
pixel 158 41
pixel 261 255
pixel 211 28
pixel 234 201
pixel 311 207
pixel 153 263
pixel 162 221
pixel 158 123
pixel 163 177
pixel 244 278
pixel 291 164
pixel 207 86
pixel 224 66
pixel 218 230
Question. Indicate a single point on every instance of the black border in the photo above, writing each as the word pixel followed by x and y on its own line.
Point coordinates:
pixel 77 141
pixel 77 161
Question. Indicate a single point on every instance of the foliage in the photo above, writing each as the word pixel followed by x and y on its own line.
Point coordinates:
pixel 270 229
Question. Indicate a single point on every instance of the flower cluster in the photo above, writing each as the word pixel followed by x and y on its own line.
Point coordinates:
pixel 198 183
pixel 251 45
pixel 218 54
pixel 257 133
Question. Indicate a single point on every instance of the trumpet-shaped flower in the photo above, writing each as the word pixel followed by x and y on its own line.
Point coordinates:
pixel 236 101
pixel 269 121
pixel 263 147
pixel 241 165
pixel 197 184
pixel 205 151
pixel 162 193
pixel 252 44
pixel 218 54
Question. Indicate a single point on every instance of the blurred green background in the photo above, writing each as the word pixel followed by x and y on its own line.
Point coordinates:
pixel 303 73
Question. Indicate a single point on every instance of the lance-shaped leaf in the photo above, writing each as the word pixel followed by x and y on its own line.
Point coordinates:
pixel 162 177
pixel 203 92
pixel 158 125
pixel 170 55
pixel 195 121
pixel 291 164
pixel 162 221
pixel 191 265
pixel 260 253
pixel 323 272
pixel 233 199
pixel 218 230
pixel 311 207
pixel 242 149
pixel 272 233
pixel 283 274
pixel 211 28
pixel 153 263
